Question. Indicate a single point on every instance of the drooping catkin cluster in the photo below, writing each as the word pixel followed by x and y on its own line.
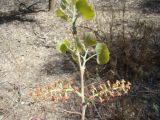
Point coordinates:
pixel 103 92
pixel 61 91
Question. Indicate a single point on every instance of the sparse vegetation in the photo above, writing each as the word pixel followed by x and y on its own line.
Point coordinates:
pixel 37 82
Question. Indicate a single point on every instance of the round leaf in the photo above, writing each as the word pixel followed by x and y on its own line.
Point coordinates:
pixel 103 54
pixel 61 14
pixel 79 45
pixel 74 57
pixel 85 10
pixel 89 39
pixel 67 43
pixel 74 1
pixel 63 46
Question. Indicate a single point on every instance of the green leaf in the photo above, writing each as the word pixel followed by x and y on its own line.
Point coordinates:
pixel 85 10
pixel 89 39
pixel 103 54
pixel 61 14
pixel 74 57
pixel 79 45
pixel 63 46
pixel 67 42
pixel 63 4
pixel 74 2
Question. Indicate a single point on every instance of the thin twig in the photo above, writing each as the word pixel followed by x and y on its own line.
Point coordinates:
pixel 97 111
pixel 71 112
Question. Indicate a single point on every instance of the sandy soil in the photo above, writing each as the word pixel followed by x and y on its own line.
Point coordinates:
pixel 28 58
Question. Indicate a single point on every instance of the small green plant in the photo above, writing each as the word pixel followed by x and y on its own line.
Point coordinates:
pixel 80 49
pixel 71 10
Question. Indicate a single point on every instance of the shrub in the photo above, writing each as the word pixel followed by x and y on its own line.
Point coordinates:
pixel 81 49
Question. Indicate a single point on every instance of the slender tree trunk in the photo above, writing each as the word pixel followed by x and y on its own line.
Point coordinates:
pixel 82 71
pixel 82 92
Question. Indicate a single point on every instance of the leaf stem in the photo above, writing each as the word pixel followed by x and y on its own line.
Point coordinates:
pixel 84 58
pixel 90 57
pixel 74 20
